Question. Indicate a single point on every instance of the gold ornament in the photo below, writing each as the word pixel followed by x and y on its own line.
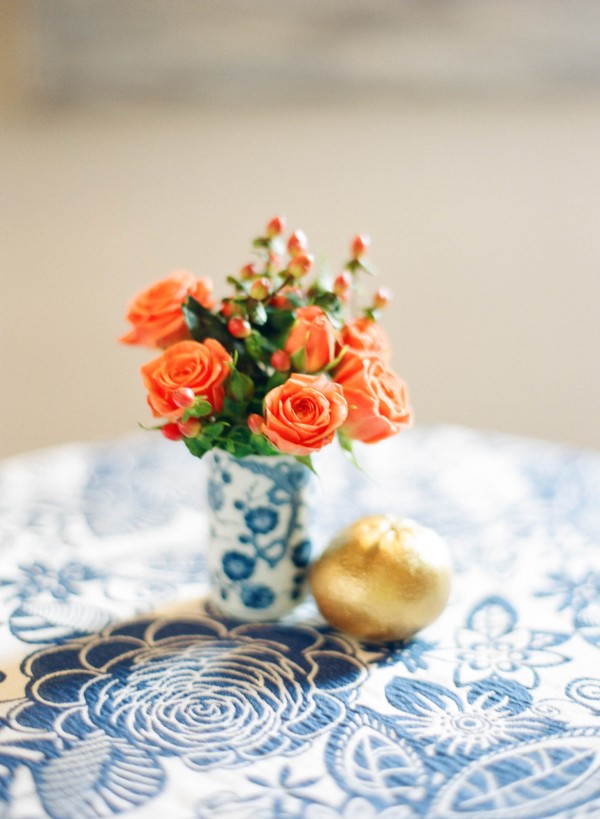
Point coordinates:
pixel 383 578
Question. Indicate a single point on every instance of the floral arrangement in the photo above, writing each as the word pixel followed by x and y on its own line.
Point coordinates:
pixel 280 366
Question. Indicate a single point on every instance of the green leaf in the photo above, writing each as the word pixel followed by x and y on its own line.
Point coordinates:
pixel 295 299
pixel 355 264
pixel 258 347
pixel 298 359
pixel 214 430
pixel 330 304
pixel 240 433
pixel 257 312
pixel 372 313
pixel 198 446
pixel 276 380
pixel 231 408
pixel 237 449
pixel 238 286
pixel 261 241
pixel 200 410
pixel 333 364
pixel 203 324
pixel 262 446
pixel 279 323
pixel 307 461
pixel 239 387
pixel 346 444
pixel 255 404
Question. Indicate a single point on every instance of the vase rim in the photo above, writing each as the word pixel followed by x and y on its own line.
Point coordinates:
pixel 252 457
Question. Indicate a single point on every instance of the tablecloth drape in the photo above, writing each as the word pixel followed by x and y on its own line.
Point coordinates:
pixel 121 692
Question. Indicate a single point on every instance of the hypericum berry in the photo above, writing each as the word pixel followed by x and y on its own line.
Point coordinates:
pixel 239 327
pixel 248 271
pixel 280 302
pixel 276 226
pixel 297 243
pixel 382 297
pixel 281 361
pixel 228 309
pixel 172 432
pixel 274 259
pixel 359 245
pixel 342 285
pixel 183 397
pixel 190 428
pixel 300 265
pixel 260 289
pixel 255 422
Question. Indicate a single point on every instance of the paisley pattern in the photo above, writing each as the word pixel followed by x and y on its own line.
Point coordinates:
pixel 123 690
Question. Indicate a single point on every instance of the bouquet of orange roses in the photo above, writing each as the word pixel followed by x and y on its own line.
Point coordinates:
pixel 280 366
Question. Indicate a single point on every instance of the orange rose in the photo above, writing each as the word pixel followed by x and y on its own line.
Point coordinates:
pixel 364 335
pixel 377 401
pixel 201 367
pixel 156 315
pixel 314 334
pixel 302 415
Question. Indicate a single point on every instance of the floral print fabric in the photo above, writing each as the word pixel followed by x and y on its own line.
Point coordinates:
pixel 122 693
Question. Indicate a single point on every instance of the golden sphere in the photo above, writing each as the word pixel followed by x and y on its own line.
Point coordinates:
pixel 383 578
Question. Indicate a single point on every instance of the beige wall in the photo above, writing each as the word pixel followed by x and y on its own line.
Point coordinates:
pixel 484 217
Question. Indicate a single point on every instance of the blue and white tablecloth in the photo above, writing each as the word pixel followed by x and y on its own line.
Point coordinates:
pixel 121 693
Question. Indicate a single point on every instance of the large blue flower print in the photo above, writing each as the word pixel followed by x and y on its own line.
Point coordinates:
pixel 192 688
pixel 439 718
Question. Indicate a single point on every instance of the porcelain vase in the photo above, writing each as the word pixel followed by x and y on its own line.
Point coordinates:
pixel 260 514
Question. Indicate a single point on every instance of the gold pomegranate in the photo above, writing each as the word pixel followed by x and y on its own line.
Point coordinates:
pixel 383 578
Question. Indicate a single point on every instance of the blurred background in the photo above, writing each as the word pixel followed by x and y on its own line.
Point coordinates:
pixel 140 136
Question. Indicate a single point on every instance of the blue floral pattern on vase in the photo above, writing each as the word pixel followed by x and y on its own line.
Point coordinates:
pixel 260 511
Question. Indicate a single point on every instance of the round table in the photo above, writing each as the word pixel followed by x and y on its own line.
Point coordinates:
pixel 121 692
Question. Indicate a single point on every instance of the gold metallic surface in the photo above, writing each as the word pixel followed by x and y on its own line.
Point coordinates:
pixel 383 578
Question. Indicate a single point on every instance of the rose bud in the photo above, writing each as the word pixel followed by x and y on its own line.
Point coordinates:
pixel 183 397
pixel 281 361
pixel 300 265
pixel 311 341
pixel 382 298
pixel 255 422
pixel 342 285
pixel 190 428
pixel 260 289
pixel 276 226
pixel 359 245
pixel 172 432
pixel 239 327
pixel 297 243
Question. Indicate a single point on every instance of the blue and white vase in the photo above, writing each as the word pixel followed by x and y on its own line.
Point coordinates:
pixel 260 510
